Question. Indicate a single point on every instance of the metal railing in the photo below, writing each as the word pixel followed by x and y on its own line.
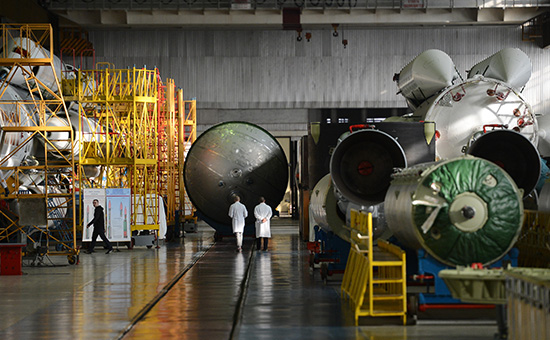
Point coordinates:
pixel 279 4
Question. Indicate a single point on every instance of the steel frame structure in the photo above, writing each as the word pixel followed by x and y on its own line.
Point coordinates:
pixel 187 134
pixel 39 117
pixel 168 150
pixel 118 108
pixel 177 132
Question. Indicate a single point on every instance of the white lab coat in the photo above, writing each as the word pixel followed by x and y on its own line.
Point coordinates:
pixel 262 211
pixel 238 213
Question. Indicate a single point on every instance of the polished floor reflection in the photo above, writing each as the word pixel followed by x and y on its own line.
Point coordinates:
pixel 96 299
pixel 195 289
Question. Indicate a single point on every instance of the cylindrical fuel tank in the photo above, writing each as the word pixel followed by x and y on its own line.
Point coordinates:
pixel 19 48
pixel 362 163
pixel 512 152
pixel 87 130
pixel 462 110
pixel 428 73
pixel 60 140
pixel 510 65
pixel 234 158
pixel 13 112
pixel 324 209
pixel 461 211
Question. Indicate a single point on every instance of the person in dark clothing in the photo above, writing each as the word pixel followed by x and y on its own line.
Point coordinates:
pixel 99 228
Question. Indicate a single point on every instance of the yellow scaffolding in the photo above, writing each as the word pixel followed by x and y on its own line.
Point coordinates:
pixel 168 150
pixel 40 118
pixel 118 134
pixel 187 130
pixel 375 279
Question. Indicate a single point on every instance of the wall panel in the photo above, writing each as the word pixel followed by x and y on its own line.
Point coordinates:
pixel 269 69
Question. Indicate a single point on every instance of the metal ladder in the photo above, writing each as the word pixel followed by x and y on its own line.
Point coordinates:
pixel 375 277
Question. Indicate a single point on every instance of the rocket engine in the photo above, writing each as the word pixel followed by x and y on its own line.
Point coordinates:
pixel 464 209
pixel 513 152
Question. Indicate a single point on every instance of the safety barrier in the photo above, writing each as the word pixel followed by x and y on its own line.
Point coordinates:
pixel 374 279
pixel 528 295
pixel 534 239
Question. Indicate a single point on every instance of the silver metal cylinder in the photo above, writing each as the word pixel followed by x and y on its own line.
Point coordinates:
pixel 324 209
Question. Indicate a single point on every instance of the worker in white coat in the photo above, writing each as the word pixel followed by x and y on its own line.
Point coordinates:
pixel 238 214
pixel 262 213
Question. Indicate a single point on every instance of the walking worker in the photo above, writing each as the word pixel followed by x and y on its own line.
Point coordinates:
pixel 263 214
pixel 238 214
pixel 99 228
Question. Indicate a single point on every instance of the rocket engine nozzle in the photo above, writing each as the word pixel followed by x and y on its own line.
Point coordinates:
pixel 514 153
pixel 362 163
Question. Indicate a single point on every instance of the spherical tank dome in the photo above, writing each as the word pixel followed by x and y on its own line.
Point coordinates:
pixel 234 159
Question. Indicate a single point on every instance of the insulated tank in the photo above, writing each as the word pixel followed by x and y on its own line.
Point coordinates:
pixel 88 129
pixel 229 159
pixel 461 211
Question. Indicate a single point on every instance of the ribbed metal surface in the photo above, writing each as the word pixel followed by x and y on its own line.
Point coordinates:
pixel 270 69
pixel 277 4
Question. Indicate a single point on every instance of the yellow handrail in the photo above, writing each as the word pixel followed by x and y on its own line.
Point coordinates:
pixel 374 285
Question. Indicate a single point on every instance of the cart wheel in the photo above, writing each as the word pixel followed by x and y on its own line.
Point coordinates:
pixel 149 247
pixel 72 259
pixel 324 272
pixel 412 309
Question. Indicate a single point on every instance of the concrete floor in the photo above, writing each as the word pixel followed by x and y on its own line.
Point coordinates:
pixel 198 289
